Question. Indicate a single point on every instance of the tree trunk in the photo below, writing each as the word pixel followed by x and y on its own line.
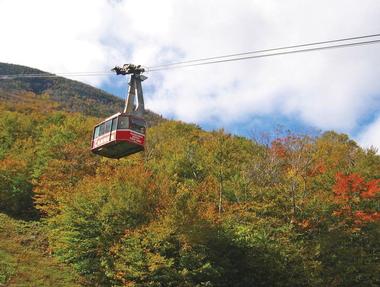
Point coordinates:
pixel 293 198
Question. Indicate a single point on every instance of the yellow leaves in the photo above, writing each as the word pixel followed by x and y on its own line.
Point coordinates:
pixel 28 102
pixel 11 165
pixel 157 262
pixel 291 173
pixel 60 177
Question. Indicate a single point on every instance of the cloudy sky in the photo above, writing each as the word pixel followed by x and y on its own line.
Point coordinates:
pixel 333 89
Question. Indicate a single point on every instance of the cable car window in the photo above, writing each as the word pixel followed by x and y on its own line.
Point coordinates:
pixel 101 129
pixel 96 132
pixel 137 125
pixel 123 123
pixel 107 128
pixel 114 124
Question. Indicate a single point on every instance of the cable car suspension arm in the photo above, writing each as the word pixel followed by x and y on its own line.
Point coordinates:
pixel 134 87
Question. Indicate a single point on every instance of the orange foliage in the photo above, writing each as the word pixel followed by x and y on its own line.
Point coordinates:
pixel 278 148
pixel 352 190
pixel 347 186
pixel 11 165
pixel 373 187
pixel 305 224
pixel 362 216
pixel 317 169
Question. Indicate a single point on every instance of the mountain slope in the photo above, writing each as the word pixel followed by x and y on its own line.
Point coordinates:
pixel 195 208
pixel 71 95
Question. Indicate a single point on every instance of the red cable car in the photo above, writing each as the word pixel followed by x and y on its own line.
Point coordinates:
pixel 118 136
pixel 123 134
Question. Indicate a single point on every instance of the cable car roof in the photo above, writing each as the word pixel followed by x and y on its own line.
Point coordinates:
pixel 116 115
pixel 109 118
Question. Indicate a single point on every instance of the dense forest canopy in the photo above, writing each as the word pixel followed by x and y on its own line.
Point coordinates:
pixel 196 208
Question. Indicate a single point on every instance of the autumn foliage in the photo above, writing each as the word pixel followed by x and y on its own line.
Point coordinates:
pixel 196 208
pixel 356 198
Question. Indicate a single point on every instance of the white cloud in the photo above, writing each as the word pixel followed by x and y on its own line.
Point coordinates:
pixel 328 89
pixel 371 135
pixel 57 36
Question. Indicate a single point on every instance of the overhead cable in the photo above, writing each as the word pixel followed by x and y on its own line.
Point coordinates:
pixel 220 59
pixel 265 55
pixel 267 50
pixel 58 75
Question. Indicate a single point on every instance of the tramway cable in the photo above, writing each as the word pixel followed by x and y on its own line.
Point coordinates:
pixel 218 59
pixel 266 55
pixel 267 50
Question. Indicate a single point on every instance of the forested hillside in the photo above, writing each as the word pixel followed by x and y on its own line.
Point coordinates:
pixel 69 95
pixel 195 209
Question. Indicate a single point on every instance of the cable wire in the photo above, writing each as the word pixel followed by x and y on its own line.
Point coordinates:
pixel 267 55
pixel 268 50
pixel 58 75
pixel 217 59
